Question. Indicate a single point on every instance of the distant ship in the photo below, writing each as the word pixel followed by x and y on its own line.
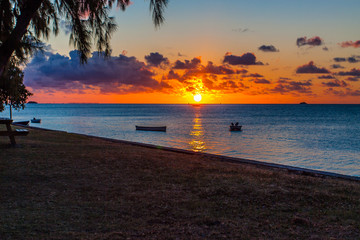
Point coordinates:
pixel 32 102
pixel 303 103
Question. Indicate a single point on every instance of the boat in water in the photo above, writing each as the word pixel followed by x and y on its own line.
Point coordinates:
pixel 151 128
pixel 35 120
pixel 235 127
pixel 24 123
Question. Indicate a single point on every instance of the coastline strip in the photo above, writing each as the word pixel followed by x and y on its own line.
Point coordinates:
pixel 288 168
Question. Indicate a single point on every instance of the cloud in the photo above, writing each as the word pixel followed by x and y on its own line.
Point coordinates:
pixel 315 41
pixel 65 26
pixel 262 81
pixel 120 74
pixel 347 92
pixel 269 48
pixel 256 75
pixel 325 49
pixel 211 68
pixel 194 68
pixel 240 30
pixel 311 68
pixel 326 77
pixel 285 86
pixel 352 60
pixel 349 59
pixel 353 72
pixel 336 66
pixel 245 59
pixel 194 63
pixel 346 44
pixel 338 59
pixel 156 59
pixel 335 83
pixel 352 79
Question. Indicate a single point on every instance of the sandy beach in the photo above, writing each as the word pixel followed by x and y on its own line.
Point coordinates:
pixel 56 185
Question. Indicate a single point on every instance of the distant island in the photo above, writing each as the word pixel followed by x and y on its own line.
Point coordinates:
pixel 32 102
pixel 303 103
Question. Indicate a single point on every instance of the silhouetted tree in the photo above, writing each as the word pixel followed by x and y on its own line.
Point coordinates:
pixel 24 22
pixel 12 89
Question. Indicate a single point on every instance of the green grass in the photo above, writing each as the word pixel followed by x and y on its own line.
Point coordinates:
pixel 56 185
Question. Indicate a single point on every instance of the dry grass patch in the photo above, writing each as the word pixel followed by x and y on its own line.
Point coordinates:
pixel 56 185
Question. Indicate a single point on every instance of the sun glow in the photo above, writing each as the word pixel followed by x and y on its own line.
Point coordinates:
pixel 197 98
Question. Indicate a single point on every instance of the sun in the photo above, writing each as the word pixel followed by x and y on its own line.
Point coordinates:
pixel 197 98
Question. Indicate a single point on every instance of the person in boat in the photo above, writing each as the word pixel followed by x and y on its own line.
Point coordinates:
pixel 236 124
pixel 232 124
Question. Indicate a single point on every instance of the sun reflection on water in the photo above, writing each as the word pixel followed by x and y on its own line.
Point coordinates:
pixel 197 142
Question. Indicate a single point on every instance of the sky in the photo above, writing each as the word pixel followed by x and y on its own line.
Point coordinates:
pixel 231 51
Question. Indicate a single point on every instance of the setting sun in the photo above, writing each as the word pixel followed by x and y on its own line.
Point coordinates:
pixel 197 98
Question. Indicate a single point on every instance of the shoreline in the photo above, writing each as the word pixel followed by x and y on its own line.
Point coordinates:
pixel 59 185
pixel 288 168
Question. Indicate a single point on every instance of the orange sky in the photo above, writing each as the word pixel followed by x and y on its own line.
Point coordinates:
pixel 229 52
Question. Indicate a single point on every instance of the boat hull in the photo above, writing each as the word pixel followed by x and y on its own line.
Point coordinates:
pixel 147 128
pixel 25 123
pixel 235 128
pixel 35 120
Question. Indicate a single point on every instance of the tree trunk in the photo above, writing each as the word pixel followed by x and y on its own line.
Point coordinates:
pixel 7 48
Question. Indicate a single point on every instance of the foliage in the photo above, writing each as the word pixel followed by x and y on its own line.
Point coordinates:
pixel 12 89
pixel 23 23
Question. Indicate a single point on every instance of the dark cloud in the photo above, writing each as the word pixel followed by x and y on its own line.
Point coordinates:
pixel 315 41
pixel 352 60
pixel 353 72
pixel 335 83
pixel 355 44
pixel 341 93
pixel 349 59
pixel 283 79
pixel 156 59
pixel 111 75
pixel 262 81
pixel 269 48
pixel 325 49
pixel 311 68
pixel 256 75
pixel 326 77
pixel 194 68
pixel 245 59
pixel 194 63
pixel 173 75
pixel 335 66
pixel 284 87
pixel 213 69
pixel 338 59
pixel 352 79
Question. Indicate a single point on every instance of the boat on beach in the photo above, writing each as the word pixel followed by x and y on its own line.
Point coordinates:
pixel 35 120
pixel 151 128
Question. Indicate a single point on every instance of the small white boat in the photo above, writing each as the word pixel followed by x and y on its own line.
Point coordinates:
pixel 151 128
pixel 35 120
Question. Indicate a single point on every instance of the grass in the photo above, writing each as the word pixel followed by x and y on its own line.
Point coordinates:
pixel 56 185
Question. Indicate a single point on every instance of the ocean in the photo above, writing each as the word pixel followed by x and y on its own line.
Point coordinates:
pixel 319 137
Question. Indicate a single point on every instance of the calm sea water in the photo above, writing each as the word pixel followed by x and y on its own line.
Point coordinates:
pixel 322 137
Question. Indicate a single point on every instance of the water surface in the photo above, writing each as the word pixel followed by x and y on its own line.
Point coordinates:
pixel 321 137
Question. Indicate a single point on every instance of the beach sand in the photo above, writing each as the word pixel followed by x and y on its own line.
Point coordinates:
pixel 56 185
